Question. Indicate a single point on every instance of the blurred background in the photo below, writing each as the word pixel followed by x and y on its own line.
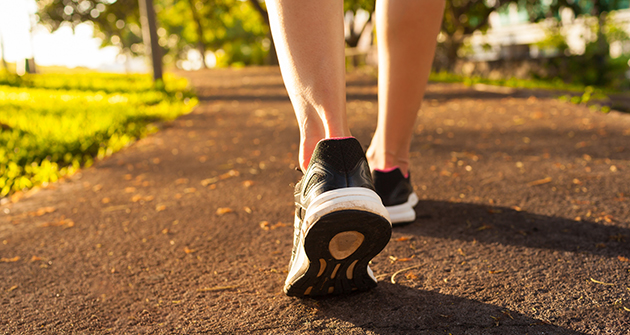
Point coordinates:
pixel 75 81
pixel 576 41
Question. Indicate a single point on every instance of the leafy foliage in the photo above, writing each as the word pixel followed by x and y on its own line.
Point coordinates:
pixel 53 125
pixel 232 26
pixel 116 21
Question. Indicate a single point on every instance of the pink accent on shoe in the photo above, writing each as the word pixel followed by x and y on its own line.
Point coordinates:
pixel 336 138
pixel 392 169
pixel 340 138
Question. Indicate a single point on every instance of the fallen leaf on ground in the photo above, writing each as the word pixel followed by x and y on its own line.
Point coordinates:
pixel 138 197
pixel 461 252
pixel 484 227
pixel 160 208
pixel 601 282
pixel 209 181
pixel 229 174
pixel 264 225
pixel 224 210
pixel 189 251
pixel 130 189
pixel 411 276
pixel 35 258
pixel 279 224
pixel 395 259
pixel 12 288
pixel 247 210
pixel 248 183
pixel 60 222
pixel 623 259
pixel 105 200
pixel 181 181
pixel 495 271
pixel 42 211
pixel 516 208
pixel 403 238
pixel 190 190
pixel 128 177
pixel 9 260
pixel 540 181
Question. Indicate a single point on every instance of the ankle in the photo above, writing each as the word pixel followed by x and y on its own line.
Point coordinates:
pixel 383 161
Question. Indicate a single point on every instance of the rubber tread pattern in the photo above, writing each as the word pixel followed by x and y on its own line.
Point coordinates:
pixel 377 232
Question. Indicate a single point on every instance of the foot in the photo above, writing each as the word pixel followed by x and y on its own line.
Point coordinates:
pixel 340 223
pixel 397 195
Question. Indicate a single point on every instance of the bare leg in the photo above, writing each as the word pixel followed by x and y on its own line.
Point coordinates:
pixel 406 33
pixel 309 40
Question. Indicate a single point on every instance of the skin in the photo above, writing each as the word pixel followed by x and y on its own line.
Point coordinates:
pixel 310 45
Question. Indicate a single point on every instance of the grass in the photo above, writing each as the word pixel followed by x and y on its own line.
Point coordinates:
pixel 578 93
pixel 556 84
pixel 53 124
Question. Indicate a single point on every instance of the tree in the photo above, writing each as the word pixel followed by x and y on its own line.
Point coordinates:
pixel 116 22
pixel 150 37
pixel 596 59
pixel 201 46
pixel 352 7
pixel 272 56
pixel 463 17
pixel 233 29
pixel 229 25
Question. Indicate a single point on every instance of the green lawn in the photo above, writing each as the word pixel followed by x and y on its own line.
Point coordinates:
pixel 52 124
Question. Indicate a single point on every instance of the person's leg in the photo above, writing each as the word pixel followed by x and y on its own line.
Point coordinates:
pixel 309 39
pixel 340 221
pixel 406 32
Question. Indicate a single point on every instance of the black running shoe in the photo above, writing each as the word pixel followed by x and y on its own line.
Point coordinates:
pixel 397 195
pixel 340 223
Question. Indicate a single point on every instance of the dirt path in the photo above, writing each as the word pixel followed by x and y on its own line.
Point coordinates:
pixel 524 226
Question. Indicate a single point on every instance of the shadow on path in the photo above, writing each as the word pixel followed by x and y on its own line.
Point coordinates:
pixel 491 224
pixel 418 312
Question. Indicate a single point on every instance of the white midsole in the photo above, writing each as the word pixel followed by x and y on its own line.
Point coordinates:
pixel 404 212
pixel 351 198
pixel 358 198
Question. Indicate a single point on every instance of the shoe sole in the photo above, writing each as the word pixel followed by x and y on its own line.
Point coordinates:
pixel 346 228
pixel 403 214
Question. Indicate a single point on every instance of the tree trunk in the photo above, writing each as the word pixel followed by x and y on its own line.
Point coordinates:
pixel 4 61
pixel 452 45
pixel 353 39
pixel 272 56
pixel 150 37
pixel 201 46
pixel 602 51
